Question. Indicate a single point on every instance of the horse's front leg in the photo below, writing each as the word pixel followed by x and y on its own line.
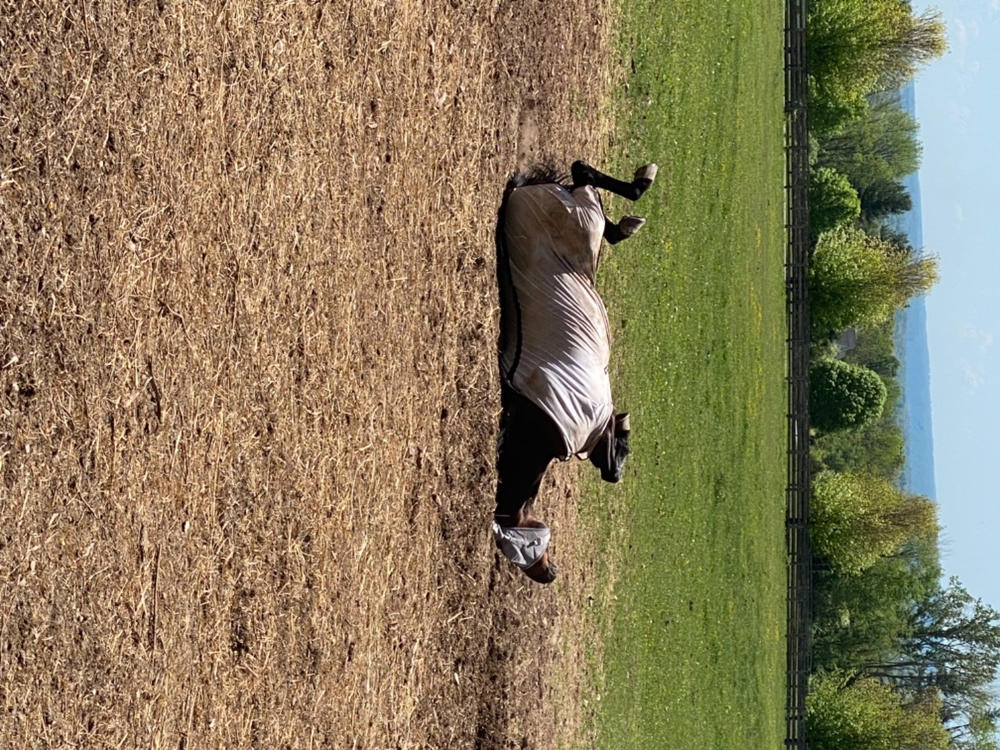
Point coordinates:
pixel 584 174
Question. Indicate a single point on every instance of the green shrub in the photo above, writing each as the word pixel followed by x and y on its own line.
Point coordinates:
pixel 832 200
pixel 866 714
pixel 843 395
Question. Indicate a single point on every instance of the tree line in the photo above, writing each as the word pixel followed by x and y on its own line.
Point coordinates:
pixel 903 658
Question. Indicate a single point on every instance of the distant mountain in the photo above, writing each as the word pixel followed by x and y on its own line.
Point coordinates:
pixel 911 348
pixel 915 404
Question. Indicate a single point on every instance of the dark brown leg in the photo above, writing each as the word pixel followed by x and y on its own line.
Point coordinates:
pixel 584 174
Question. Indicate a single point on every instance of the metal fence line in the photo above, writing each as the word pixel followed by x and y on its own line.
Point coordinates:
pixel 799 623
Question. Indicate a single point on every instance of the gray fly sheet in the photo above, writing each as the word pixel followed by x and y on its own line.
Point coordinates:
pixel 555 339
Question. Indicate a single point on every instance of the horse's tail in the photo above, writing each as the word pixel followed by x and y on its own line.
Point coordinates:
pixel 542 173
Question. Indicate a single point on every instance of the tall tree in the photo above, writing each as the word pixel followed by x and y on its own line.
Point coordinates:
pixel 884 231
pixel 914 42
pixel 855 520
pixel 856 279
pixel 862 619
pixel 875 448
pixel 881 145
pixel 858 47
pixel 953 645
pixel 883 198
pixel 875 348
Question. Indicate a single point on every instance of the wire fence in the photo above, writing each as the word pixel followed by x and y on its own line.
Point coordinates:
pixel 799 656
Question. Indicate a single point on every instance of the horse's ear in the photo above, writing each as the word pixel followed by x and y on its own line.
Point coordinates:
pixel 622 423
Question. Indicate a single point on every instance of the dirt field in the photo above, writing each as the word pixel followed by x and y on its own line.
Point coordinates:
pixel 247 381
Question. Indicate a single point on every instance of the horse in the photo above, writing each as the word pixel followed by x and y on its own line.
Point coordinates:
pixel 554 344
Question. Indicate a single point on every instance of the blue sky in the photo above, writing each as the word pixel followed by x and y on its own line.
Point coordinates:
pixel 958 108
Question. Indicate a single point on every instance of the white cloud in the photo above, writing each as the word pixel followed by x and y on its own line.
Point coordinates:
pixel 982 338
pixel 958 112
pixel 973 375
pixel 958 38
pixel 959 214
pixel 963 36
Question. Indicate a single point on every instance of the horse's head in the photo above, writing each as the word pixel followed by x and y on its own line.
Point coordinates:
pixel 525 543
pixel 543 571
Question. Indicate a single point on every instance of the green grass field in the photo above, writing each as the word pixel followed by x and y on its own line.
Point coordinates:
pixel 694 628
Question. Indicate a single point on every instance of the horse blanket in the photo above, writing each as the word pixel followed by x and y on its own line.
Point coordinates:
pixel 555 339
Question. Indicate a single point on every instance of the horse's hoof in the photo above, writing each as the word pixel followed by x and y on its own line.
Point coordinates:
pixel 646 172
pixel 629 225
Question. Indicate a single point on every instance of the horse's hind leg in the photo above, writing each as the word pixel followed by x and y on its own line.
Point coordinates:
pixel 615 233
pixel 584 174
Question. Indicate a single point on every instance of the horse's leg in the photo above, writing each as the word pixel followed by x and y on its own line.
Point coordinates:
pixel 527 443
pixel 615 233
pixel 584 174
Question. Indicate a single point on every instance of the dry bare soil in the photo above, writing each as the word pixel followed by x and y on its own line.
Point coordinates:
pixel 248 397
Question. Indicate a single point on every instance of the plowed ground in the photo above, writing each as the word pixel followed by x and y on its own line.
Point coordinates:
pixel 248 398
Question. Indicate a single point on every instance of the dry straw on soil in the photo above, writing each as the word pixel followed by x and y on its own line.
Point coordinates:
pixel 248 391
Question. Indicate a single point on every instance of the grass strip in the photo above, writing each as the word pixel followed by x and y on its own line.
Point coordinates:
pixel 693 538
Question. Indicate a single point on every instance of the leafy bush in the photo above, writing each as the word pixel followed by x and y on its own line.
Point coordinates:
pixel 865 714
pixel 843 395
pixel 875 448
pixel 832 200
